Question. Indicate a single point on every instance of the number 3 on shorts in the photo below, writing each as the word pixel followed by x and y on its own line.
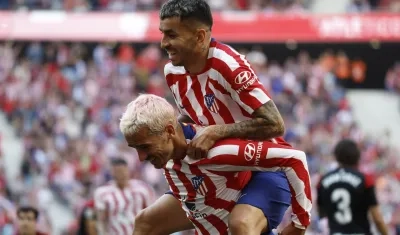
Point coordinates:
pixel 342 198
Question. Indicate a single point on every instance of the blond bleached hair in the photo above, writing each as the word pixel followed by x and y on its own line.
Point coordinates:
pixel 149 111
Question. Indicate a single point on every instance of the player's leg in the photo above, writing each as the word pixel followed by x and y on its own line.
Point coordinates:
pixel 247 219
pixel 262 205
pixel 165 216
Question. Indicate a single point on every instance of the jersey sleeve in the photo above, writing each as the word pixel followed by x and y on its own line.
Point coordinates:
pixel 320 192
pixel 150 196
pixel 370 195
pixel 241 81
pixel 242 155
pixel 99 202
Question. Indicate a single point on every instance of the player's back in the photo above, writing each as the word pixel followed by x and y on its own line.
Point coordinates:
pixel 345 196
pixel 207 196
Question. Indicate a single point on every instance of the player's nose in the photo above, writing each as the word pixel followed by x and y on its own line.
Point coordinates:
pixel 142 155
pixel 164 43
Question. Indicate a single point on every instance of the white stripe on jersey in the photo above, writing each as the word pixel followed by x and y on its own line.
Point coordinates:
pixel 216 76
pixel 229 193
pixel 198 209
pixel 233 64
pixel 169 68
pixel 217 151
pixel 229 60
pixel 223 150
pixel 176 181
pixel 262 99
pixel 273 153
pixel 193 100
pixel 227 100
pixel 138 202
pixel 178 99
pixel 123 205
pixel 291 175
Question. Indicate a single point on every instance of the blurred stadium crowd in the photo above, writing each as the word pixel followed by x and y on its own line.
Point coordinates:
pixel 65 101
pixel 268 6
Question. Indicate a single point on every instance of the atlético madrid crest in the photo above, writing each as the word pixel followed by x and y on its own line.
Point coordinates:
pixel 211 103
pixel 199 185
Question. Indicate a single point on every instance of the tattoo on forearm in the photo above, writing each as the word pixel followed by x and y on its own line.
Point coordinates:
pixel 266 124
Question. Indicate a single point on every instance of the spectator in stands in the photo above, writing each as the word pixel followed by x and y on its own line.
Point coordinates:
pixel 27 219
pixel 393 78
pixel 359 6
pixel 5 4
pixel 267 6
pixel 145 5
pixel 7 212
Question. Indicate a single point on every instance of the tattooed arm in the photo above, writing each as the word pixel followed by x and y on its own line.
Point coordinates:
pixel 266 124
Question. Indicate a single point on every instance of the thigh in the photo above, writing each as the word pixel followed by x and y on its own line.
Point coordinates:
pixel 252 216
pixel 269 193
pixel 165 216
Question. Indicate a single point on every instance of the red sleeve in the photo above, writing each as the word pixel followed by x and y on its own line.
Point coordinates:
pixel 370 195
pixel 90 203
pixel 242 155
pixel 240 80
pixel 369 180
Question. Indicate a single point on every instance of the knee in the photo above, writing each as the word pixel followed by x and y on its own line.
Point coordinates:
pixel 239 225
pixel 247 222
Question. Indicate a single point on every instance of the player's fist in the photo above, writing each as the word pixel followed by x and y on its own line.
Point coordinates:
pixel 292 230
pixel 202 142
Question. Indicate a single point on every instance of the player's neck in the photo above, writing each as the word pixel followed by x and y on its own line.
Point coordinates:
pixel 180 146
pixel 354 167
pixel 122 184
pixel 198 62
pixel 27 233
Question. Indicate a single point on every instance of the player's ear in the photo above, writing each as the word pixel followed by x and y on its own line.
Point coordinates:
pixel 201 35
pixel 170 130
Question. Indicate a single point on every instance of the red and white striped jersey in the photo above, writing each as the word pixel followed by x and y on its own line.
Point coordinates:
pixel 226 91
pixel 122 205
pixel 208 188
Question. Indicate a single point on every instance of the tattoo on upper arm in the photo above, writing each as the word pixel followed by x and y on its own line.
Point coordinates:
pixel 266 124
pixel 270 115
